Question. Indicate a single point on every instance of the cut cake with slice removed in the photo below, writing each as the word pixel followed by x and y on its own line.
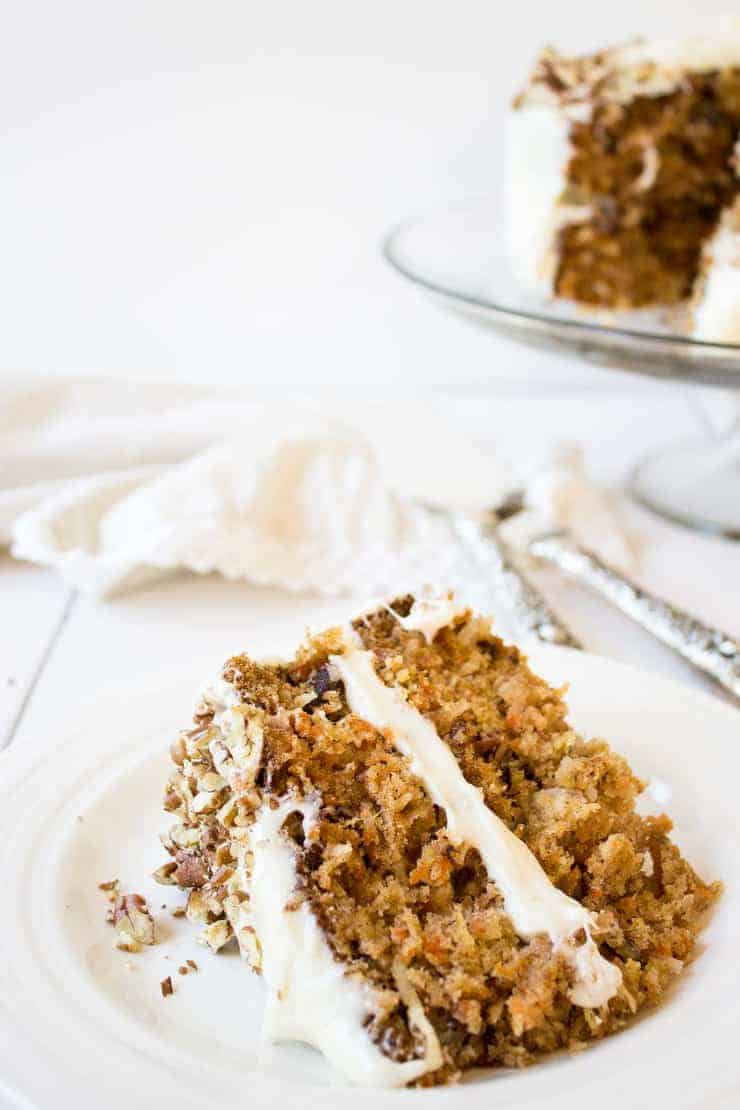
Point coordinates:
pixel 623 164
pixel 430 869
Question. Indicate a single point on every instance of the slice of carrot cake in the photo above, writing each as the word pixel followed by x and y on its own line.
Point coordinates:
pixel 431 870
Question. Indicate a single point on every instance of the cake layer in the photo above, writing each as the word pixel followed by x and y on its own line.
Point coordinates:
pixel 430 869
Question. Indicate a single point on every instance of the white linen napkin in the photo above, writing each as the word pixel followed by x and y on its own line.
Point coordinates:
pixel 112 485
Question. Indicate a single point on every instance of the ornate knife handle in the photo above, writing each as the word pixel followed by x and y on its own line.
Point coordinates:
pixel 713 652
pixel 532 614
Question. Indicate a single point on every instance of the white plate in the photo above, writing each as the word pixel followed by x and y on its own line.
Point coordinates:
pixel 84 1026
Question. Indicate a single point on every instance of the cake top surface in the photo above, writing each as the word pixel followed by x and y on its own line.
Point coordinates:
pixel 646 67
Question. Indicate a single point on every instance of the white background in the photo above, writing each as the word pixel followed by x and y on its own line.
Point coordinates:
pixel 199 188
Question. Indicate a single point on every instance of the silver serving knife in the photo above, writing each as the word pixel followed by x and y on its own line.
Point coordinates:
pixel 531 612
pixel 709 650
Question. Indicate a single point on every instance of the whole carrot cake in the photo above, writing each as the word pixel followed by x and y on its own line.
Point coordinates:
pixel 624 176
pixel 430 869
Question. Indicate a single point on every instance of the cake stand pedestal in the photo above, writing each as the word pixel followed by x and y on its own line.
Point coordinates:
pixel 696 483
pixel 458 256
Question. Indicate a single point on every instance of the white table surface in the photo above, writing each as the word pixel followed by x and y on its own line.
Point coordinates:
pixel 57 649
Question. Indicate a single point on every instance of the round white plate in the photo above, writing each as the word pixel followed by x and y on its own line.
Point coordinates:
pixel 84 1026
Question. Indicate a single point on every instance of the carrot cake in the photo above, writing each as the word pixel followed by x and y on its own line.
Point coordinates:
pixel 623 174
pixel 430 869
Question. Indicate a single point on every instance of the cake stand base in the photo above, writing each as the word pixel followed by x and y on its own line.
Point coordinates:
pixel 695 483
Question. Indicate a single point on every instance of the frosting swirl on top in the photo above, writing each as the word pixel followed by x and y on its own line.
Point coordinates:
pixel 651 67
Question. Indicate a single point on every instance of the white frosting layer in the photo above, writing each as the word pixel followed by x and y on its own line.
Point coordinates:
pixel 537 159
pixel 219 695
pixel 647 67
pixel 534 905
pixel 310 997
pixel 693 53
pixel 429 614
pixel 716 317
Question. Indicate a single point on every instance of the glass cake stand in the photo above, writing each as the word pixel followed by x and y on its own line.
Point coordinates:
pixel 459 256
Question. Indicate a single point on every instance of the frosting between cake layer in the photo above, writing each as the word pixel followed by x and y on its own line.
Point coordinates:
pixel 716 313
pixel 538 152
pixel 310 996
pixel 676 55
pixel 533 903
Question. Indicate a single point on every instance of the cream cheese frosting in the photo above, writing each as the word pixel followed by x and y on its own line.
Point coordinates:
pixel 716 313
pixel 538 152
pixel 533 903
pixel 311 998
